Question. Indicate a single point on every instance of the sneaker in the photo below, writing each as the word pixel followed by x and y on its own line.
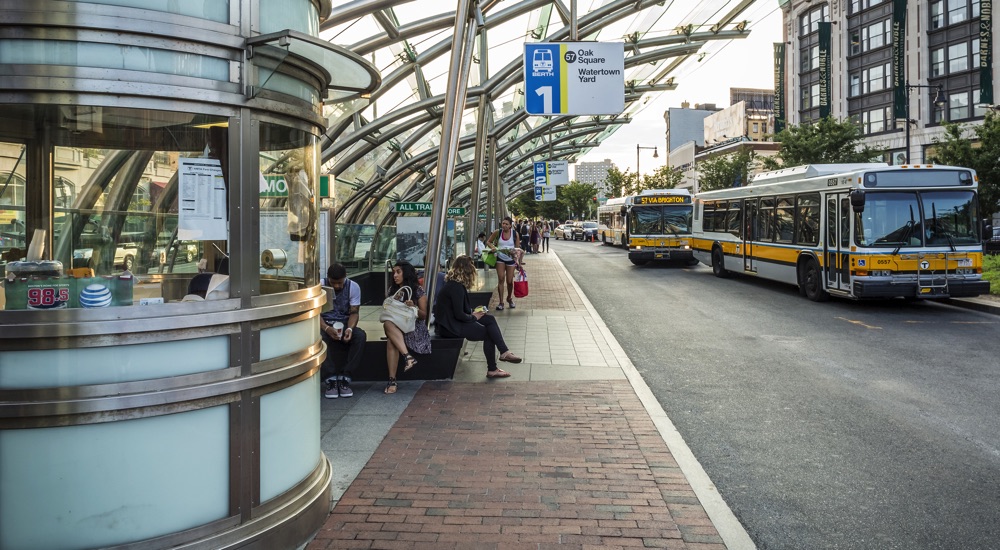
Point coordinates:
pixel 332 389
pixel 345 389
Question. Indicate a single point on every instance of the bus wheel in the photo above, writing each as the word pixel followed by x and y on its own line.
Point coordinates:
pixel 812 282
pixel 718 263
pixel 638 262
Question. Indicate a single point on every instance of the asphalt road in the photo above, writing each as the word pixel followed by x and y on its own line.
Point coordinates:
pixel 843 424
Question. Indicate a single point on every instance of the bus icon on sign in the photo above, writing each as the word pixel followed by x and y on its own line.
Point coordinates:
pixel 541 61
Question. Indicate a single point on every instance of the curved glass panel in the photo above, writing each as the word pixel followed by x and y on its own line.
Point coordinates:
pixel 213 10
pixel 112 56
pixel 289 217
pixel 129 225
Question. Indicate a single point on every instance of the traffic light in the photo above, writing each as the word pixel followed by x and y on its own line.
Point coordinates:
pixel 594 199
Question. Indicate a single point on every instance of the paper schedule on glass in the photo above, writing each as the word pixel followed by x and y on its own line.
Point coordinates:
pixel 201 200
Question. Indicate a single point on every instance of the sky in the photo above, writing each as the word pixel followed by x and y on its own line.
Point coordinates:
pixel 746 63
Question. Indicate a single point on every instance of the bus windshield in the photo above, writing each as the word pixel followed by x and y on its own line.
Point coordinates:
pixel 927 218
pixel 661 220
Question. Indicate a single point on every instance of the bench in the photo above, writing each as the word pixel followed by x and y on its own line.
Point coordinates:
pixel 439 364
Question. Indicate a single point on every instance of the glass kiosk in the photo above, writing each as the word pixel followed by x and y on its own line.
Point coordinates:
pixel 159 370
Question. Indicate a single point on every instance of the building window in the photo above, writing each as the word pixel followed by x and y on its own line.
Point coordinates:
pixel 810 59
pixel 855 85
pixel 958 11
pixel 974 46
pixel 958 105
pixel 937 62
pixel 855 42
pixel 875 121
pixel 937 14
pixel 858 5
pixel 875 36
pixel 958 57
pixel 975 9
pixel 809 22
pixel 877 78
pixel 979 108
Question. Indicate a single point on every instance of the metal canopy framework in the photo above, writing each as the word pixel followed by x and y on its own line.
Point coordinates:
pixel 386 146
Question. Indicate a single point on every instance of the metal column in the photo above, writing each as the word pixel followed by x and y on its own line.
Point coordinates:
pixel 485 121
pixel 458 84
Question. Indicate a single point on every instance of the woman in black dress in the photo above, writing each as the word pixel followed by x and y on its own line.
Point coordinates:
pixel 454 317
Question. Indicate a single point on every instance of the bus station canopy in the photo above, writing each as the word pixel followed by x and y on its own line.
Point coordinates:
pixel 383 146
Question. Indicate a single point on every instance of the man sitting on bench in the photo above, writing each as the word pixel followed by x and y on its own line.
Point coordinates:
pixel 340 329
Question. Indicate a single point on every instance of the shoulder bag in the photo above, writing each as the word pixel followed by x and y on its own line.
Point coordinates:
pixel 395 310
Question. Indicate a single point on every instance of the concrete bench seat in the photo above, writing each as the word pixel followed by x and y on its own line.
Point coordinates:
pixel 439 364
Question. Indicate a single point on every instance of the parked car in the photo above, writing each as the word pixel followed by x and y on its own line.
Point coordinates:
pixel 585 231
pixel 125 254
pixel 563 231
pixel 187 252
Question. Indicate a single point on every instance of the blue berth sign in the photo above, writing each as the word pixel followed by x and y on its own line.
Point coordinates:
pixel 574 78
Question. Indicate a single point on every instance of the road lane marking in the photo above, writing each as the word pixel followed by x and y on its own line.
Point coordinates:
pixel 854 322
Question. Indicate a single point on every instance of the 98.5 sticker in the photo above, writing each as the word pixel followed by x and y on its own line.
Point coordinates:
pixel 48 296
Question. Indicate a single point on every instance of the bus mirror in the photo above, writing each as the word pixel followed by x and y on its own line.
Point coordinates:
pixel 858 201
pixel 624 210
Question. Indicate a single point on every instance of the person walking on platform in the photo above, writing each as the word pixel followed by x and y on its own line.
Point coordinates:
pixel 503 242
pixel 536 236
pixel 526 236
pixel 546 233
pixel 454 317
pixel 340 331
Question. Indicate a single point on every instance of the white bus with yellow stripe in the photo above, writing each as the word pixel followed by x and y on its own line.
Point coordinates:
pixel 851 230
pixel 655 225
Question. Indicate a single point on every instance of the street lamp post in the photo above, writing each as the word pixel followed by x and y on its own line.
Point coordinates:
pixel 939 101
pixel 637 149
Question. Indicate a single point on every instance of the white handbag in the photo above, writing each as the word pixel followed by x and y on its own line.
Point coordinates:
pixel 398 313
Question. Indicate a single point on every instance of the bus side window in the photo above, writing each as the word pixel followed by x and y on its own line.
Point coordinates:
pixel 784 218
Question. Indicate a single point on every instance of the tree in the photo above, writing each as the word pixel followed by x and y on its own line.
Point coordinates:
pixel 618 183
pixel 827 141
pixel 577 197
pixel 663 177
pixel 957 149
pixel 525 205
pixel 731 170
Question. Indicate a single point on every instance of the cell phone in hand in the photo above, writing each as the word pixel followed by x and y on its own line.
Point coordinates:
pixel 480 309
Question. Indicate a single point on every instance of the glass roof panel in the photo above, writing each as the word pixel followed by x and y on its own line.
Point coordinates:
pixel 419 55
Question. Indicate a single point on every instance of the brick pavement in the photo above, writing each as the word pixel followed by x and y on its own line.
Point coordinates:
pixel 532 461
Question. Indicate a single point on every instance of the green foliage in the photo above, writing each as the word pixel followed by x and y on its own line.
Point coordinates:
pixel 663 177
pixel 525 205
pixel 578 197
pixel 724 171
pixel 828 141
pixel 617 183
pixel 991 272
pixel 957 149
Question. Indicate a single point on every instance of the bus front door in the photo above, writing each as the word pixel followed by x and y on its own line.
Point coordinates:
pixel 838 242
pixel 749 223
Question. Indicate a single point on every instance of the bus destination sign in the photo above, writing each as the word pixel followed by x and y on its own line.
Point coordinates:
pixel 662 199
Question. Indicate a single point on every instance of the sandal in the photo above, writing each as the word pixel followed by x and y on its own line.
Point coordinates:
pixel 498 373
pixel 509 357
pixel 410 362
pixel 499 307
pixel 510 304
pixel 391 386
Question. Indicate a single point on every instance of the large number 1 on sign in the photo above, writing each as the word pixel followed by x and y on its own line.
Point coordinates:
pixel 546 93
